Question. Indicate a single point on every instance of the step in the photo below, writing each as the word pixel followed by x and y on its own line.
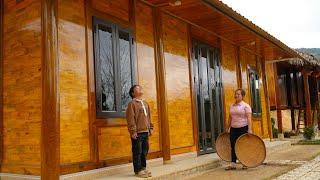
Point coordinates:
pixel 182 166
pixel 179 169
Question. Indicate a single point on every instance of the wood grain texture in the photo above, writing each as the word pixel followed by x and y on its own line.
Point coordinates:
pixel 22 95
pixel 271 83
pixel 175 42
pixel 1 81
pixel 161 85
pixel 50 124
pixel 229 74
pixel 74 123
pixel 117 8
pixel 146 66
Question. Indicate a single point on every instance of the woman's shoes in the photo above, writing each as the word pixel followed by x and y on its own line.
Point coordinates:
pixel 244 167
pixel 229 168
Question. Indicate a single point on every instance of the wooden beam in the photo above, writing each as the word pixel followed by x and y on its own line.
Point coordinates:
pixel 266 94
pixel 50 124
pixel 161 86
pixel 293 122
pixel 238 68
pixel 308 116
pixel 192 91
pixel 278 98
pixel 1 79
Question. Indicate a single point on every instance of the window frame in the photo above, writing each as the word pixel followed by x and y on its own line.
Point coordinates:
pixel 116 28
pixel 256 108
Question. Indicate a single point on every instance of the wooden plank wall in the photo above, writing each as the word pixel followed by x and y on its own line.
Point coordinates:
pixel 74 119
pixel 229 74
pixel 175 41
pixel 271 86
pixel 146 66
pixel 22 82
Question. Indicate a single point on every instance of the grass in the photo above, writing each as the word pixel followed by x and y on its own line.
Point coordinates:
pixel 309 142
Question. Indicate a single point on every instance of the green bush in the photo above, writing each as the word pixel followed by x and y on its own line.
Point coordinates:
pixel 287 134
pixel 274 130
pixel 308 133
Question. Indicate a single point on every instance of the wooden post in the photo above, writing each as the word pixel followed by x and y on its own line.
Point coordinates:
pixel 266 94
pixel 308 116
pixel 238 68
pixel 278 98
pixel 293 122
pixel 161 86
pixel 50 125
pixel 1 79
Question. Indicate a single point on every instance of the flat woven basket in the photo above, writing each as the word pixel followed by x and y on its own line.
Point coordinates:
pixel 250 150
pixel 223 146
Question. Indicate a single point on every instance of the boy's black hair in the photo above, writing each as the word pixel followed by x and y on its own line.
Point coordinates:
pixel 131 91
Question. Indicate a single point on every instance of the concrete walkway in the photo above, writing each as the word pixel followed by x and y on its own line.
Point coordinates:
pixel 308 171
pixel 183 166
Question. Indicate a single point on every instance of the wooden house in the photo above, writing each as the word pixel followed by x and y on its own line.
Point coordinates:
pixel 293 86
pixel 66 66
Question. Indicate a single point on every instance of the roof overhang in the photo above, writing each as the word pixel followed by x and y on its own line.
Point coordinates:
pixel 222 21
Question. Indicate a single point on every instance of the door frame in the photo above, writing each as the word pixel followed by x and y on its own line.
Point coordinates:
pixel 195 83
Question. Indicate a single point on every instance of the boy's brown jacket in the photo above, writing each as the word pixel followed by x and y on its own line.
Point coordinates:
pixel 136 119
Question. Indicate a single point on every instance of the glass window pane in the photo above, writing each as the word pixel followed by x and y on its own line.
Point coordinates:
pixel 106 69
pixel 125 68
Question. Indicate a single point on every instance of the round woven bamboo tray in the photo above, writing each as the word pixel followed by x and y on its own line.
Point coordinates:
pixel 223 146
pixel 250 150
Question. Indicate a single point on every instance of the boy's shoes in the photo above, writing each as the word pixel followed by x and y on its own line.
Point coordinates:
pixel 142 174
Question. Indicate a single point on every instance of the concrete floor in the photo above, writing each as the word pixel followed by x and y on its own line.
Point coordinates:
pixel 268 171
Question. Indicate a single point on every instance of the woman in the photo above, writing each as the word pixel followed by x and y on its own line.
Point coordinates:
pixel 239 123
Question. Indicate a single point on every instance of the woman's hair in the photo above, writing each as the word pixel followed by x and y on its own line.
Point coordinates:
pixel 131 91
pixel 243 92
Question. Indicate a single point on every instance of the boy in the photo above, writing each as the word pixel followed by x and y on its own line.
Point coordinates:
pixel 140 128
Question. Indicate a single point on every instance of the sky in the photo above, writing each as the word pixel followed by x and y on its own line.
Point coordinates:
pixel 294 22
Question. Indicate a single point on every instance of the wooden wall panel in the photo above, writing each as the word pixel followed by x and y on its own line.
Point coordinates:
pixel 256 128
pixel 229 74
pixel 117 8
pixel 264 108
pixel 271 85
pixel 114 142
pixel 146 66
pixel 175 41
pixel 22 96
pixel 74 119
pixel 260 124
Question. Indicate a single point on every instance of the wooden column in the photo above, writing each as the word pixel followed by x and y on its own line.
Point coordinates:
pixel 266 94
pixel 239 73
pixel 50 126
pixel 293 122
pixel 308 114
pixel 1 80
pixel 278 98
pixel 161 86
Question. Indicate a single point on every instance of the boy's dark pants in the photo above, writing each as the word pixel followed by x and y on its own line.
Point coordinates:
pixel 140 148
pixel 235 133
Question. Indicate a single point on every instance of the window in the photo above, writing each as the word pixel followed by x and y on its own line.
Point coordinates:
pixel 255 92
pixel 114 68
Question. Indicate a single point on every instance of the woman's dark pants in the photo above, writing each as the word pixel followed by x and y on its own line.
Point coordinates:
pixel 140 148
pixel 235 133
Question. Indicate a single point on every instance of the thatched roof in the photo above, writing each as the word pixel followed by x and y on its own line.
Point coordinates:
pixel 307 60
